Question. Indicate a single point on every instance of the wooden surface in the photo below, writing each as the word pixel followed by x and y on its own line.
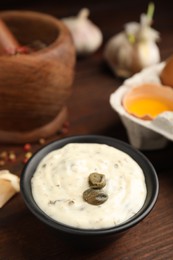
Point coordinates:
pixel 22 236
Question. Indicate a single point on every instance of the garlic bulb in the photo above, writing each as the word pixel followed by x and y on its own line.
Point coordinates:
pixel 134 48
pixel 87 36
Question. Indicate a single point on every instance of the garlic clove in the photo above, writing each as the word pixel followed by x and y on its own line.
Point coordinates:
pixel 86 35
pixel 9 186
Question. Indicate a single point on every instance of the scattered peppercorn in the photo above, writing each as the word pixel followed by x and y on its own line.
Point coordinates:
pixel 12 156
pixel 4 155
pixel 42 141
pixel 22 50
pixel 25 160
pixel 2 162
pixel 27 147
pixel 27 157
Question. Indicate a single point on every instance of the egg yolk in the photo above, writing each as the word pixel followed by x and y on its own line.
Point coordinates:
pixel 148 106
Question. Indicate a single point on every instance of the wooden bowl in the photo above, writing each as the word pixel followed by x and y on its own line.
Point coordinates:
pixel 34 88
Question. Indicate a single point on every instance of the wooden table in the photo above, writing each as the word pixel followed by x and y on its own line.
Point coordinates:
pixel 22 236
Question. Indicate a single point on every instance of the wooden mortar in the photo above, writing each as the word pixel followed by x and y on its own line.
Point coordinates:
pixel 35 87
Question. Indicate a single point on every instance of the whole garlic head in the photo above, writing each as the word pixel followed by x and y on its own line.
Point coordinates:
pixel 133 49
pixel 86 35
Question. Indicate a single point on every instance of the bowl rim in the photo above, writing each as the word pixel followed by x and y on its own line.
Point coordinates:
pixel 145 164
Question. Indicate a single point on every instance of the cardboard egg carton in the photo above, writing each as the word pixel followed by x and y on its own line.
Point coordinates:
pixel 144 134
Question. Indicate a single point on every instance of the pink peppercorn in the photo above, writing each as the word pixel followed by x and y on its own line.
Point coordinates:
pixel 27 147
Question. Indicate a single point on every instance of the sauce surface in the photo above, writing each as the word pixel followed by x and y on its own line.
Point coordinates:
pixel 62 176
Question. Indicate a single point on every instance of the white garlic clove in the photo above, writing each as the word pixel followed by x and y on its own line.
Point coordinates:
pixel 9 186
pixel 86 35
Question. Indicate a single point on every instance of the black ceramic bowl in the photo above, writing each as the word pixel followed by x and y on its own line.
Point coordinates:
pixel 150 177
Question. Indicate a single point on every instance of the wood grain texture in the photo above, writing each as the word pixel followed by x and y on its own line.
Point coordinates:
pixel 22 236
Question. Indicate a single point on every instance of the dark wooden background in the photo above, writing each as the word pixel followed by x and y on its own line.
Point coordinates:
pixel 22 236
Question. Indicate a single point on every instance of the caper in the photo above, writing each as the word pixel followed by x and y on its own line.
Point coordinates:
pixel 97 180
pixel 95 196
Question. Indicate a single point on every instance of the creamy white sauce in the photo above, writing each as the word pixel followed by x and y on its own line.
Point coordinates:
pixel 62 177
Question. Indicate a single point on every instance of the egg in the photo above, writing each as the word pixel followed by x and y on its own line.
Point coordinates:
pixel 167 72
pixel 145 130
pixel 148 100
